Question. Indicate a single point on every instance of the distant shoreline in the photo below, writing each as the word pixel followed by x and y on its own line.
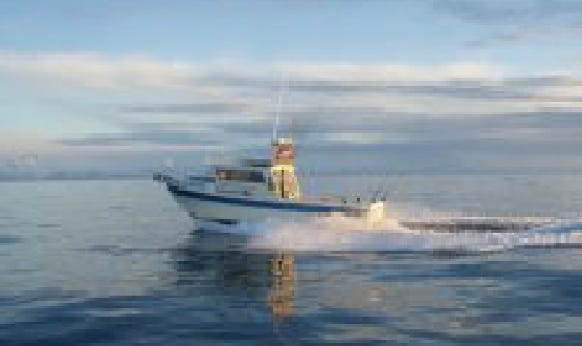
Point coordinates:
pixel 75 178
pixel 316 173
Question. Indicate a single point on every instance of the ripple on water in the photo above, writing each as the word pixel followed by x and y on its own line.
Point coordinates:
pixel 48 225
pixel 6 239
pixel 118 207
pixel 116 250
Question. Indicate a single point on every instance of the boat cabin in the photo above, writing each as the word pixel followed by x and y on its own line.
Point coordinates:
pixel 273 177
pixel 282 171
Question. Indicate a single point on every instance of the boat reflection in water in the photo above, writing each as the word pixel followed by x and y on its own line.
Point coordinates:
pixel 219 263
pixel 283 286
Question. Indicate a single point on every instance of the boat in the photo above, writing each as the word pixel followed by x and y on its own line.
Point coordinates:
pixel 259 189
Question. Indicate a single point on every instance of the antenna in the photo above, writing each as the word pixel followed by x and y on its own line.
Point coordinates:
pixel 284 85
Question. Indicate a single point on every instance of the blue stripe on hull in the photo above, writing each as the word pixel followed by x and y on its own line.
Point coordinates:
pixel 220 221
pixel 311 208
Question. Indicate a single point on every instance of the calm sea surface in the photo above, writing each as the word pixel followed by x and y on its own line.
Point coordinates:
pixel 118 262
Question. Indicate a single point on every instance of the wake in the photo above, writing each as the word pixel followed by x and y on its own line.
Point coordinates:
pixel 462 235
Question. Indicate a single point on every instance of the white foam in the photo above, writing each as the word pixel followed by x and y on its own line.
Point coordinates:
pixel 353 235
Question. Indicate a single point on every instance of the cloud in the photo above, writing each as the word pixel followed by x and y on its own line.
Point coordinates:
pixel 247 89
pixel 158 104
pixel 24 142
pixel 320 128
pixel 334 71
pixel 514 22
pixel 158 137
pixel 96 70
pixel 510 12
pixel 187 108
pixel 523 34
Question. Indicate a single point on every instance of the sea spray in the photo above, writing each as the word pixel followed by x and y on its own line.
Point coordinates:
pixel 340 234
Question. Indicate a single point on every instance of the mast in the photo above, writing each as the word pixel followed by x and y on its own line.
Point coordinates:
pixel 283 154
pixel 284 85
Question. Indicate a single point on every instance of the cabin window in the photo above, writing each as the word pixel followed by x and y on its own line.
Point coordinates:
pixel 247 176
pixel 201 179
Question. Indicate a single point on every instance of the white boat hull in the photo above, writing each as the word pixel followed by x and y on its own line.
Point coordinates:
pixel 232 210
pixel 231 214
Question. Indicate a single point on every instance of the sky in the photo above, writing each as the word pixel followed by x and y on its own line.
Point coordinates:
pixel 431 84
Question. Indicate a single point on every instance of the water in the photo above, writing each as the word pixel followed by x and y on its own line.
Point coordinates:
pixel 117 262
